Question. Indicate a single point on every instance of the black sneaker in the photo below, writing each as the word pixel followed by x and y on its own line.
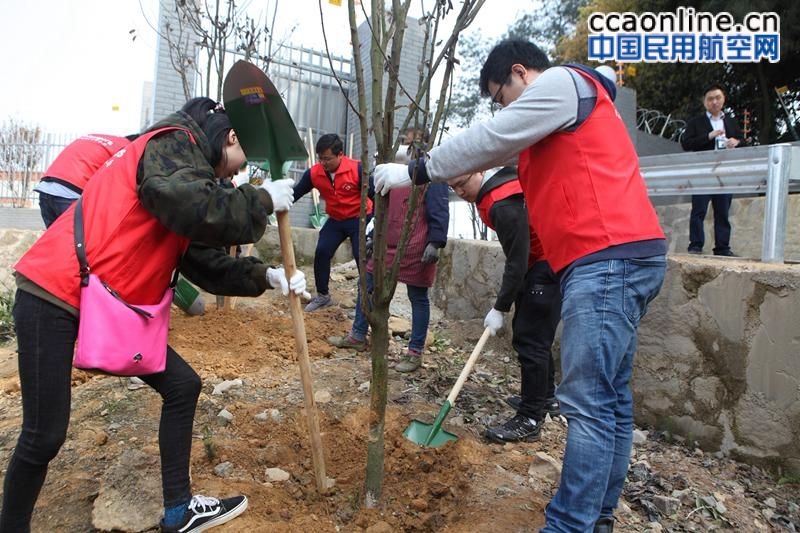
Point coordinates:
pixel 204 513
pixel 551 406
pixel 519 428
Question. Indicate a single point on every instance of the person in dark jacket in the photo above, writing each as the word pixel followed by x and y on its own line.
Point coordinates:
pixel 532 286
pixel 157 200
pixel 338 179
pixel 713 130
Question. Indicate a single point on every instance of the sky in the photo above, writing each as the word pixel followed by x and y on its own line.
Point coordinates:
pixel 75 67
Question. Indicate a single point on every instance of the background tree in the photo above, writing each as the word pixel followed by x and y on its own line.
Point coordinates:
pixel 676 88
pixel 20 155
pixel 215 28
pixel 545 26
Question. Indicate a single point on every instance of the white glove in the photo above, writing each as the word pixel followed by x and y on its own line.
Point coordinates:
pixel 276 277
pixel 390 176
pixel 281 192
pixel 493 321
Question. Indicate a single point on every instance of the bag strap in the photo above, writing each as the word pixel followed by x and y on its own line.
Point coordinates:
pixel 80 248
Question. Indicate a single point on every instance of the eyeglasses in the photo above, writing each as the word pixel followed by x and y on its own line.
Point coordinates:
pixel 496 99
pixel 460 183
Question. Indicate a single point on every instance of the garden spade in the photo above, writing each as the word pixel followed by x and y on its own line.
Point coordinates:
pixel 270 140
pixel 433 435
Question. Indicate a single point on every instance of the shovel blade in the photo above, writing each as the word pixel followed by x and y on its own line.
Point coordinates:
pixel 420 433
pixel 318 220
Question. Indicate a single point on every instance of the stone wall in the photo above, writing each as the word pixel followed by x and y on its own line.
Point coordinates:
pixel 719 356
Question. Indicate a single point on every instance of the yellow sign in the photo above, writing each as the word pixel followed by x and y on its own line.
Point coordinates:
pixel 335 2
pixel 114 108
pixel 782 90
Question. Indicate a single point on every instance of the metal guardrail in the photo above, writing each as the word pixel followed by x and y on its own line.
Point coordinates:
pixel 772 170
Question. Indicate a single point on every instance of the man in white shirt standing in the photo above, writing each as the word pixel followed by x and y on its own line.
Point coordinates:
pixel 713 130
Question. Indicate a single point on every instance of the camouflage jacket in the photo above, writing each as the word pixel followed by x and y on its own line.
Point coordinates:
pixel 178 186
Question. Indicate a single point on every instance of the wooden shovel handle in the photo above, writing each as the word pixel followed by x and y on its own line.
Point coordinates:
pixel 468 367
pixel 301 348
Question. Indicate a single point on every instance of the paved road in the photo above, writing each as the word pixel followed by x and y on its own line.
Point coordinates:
pixel 20 218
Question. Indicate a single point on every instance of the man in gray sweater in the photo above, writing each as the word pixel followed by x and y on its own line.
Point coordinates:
pixel 580 176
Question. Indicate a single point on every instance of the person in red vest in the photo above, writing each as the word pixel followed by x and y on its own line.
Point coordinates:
pixel 64 181
pixel 65 178
pixel 587 199
pixel 143 213
pixel 532 286
pixel 338 180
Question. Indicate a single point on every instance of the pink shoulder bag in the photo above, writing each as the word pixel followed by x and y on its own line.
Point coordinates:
pixel 114 336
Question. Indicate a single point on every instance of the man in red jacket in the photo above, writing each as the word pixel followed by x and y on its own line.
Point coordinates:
pixel 64 180
pixel 338 180
pixel 586 198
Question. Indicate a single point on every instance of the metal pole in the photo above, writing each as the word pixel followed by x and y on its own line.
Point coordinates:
pixel 779 163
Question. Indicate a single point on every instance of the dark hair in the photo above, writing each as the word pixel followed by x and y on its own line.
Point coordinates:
pixel 332 141
pixel 497 66
pixel 214 122
pixel 714 87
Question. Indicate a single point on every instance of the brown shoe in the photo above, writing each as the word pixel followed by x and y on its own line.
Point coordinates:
pixel 348 342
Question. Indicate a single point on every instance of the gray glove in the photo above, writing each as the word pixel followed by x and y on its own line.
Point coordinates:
pixel 431 254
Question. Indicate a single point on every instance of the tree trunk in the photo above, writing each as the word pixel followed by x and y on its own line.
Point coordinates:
pixel 377 412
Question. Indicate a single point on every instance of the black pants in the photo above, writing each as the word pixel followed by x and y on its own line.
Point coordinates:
pixel 722 226
pixel 53 207
pixel 46 338
pixel 537 311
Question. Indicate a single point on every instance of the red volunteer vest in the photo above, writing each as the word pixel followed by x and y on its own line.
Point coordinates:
pixel 584 190
pixel 81 158
pixel 502 192
pixel 343 196
pixel 125 245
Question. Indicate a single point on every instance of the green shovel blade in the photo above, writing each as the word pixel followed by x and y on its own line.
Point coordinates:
pixel 317 218
pixel 263 125
pixel 431 435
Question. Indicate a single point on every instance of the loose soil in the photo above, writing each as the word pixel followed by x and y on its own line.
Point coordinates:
pixel 466 486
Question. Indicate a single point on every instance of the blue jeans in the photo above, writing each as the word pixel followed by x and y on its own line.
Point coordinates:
pixel 46 339
pixel 602 304
pixel 420 315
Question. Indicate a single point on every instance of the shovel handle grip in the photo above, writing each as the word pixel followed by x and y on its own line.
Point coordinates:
pixel 468 367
